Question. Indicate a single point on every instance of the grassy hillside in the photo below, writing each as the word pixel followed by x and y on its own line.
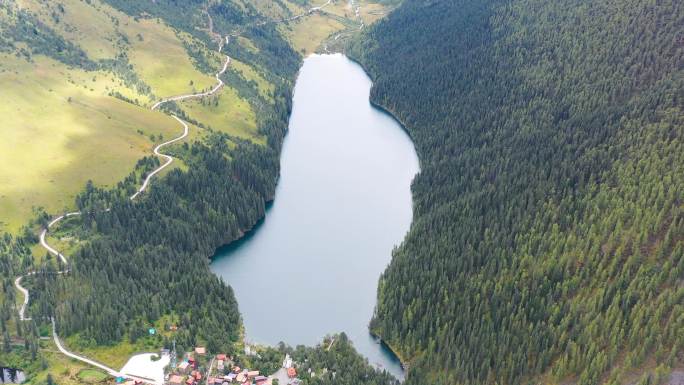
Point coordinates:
pixel 72 123
pixel 61 129
pixel 547 237
pixel 96 66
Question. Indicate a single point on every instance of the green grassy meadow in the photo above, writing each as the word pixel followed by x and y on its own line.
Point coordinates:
pixel 162 62
pixel 306 34
pixel 61 130
pixel 92 376
pixel 62 127
pixel 225 112
pixel 265 88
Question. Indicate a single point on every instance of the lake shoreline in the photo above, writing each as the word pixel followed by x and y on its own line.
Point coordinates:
pixel 323 166
pixel 403 361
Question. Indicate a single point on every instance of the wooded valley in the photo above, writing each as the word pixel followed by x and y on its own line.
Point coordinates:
pixel 547 237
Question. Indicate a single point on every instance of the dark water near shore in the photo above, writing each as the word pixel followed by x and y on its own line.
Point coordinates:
pixel 343 202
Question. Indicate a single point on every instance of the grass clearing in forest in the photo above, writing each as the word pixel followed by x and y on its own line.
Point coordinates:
pixel 225 112
pixel 155 50
pixel 372 12
pixel 92 376
pixel 162 62
pixel 117 355
pixel 64 370
pixel 274 10
pixel 79 22
pixel 306 34
pixel 369 11
pixel 249 73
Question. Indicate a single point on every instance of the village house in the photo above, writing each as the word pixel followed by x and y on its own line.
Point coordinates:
pixel 291 372
pixel 230 377
pixel 252 374
pixel 241 377
pixel 175 380
pixel 219 365
pixel 196 374
pixel 183 367
pixel 193 362
pixel 201 350
pixel 260 380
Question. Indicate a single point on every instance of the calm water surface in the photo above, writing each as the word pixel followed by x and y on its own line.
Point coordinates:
pixel 342 203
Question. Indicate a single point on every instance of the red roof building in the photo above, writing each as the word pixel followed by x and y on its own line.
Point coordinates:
pixel 291 372
pixel 221 357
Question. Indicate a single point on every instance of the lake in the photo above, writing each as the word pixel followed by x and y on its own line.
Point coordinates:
pixel 343 202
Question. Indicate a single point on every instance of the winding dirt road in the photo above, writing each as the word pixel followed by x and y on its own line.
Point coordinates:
pixel 22 309
pixel 168 160
pixel 110 371
pixel 197 95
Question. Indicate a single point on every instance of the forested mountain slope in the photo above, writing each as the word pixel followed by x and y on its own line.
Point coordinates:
pixel 548 225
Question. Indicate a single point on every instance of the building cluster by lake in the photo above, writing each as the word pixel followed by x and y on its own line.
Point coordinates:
pixel 199 368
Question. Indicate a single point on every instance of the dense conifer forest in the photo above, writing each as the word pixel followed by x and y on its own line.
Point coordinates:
pixel 336 362
pixel 548 225
pixel 333 361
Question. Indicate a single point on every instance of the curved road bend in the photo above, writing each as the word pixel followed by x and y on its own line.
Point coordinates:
pixel 201 94
pixel 169 158
pixel 110 371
